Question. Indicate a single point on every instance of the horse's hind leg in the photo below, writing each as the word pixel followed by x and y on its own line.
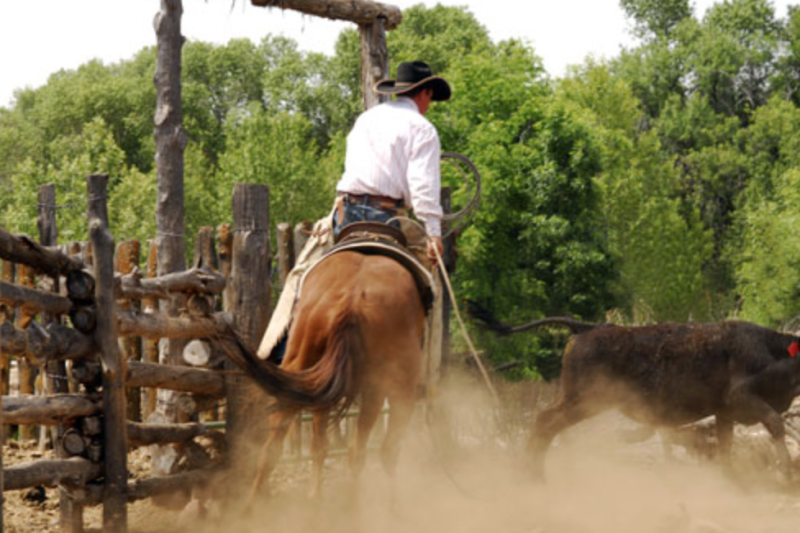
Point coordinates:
pixel 319 450
pixel 271 451
pixel 369 411
pixel 401 408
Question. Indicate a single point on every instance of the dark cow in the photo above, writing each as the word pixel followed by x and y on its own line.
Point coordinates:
pixel 668 375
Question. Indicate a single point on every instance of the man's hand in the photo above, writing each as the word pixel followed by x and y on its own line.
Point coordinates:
pixel 434 243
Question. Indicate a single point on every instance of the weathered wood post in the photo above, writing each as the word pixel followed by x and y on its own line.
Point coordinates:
pixel 56 379
pixel 250 302
pixel 285 251
pixel 150 346
pixel 56 382
pixel 2 477
pixel 115 514
pixel 127 260
pixel 6 313
pixel 225 242
pixel 302 230
pixel 374 61
pixel 26 372
pixel 205 253
pixel 171 140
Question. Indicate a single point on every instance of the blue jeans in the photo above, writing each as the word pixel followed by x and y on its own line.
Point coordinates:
pixel 362 213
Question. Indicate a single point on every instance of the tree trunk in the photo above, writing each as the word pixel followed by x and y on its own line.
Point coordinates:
pixel 171 140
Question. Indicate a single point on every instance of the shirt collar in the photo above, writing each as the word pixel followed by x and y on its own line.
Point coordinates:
pixel 405 101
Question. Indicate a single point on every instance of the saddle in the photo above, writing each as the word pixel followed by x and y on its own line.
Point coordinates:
pixel 377 238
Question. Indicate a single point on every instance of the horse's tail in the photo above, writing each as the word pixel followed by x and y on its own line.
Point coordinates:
pixel 334 381
pixel 484 315
pixel 285 386
pixel 331 382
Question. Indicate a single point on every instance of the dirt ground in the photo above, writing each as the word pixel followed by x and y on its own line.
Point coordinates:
pixel 597 483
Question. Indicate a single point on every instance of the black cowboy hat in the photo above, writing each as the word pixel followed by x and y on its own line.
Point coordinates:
pixel 413 74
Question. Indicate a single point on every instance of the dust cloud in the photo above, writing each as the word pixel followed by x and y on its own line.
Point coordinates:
pixel 596 483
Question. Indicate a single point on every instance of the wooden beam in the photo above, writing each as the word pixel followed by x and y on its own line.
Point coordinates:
pixel 195 280
pixel 50 473
pixel 40 345
pixel 358 11
pixel 115 473
pixel 177 378
pixel 24 250
pixel 33 301
pixel 147 434
pixel 47 410
pixel 156 486
pixel 159 326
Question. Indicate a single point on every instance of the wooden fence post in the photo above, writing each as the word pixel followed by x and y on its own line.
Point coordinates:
pixel 374 61
pixel 285 249
pixel 225 241
pixel 26 372
pixel 127 259
pixel 250 303
pixel 302 230
pixel 2 478
pixel 150 346
pixel 115 434
pixel 56 382
pixel 6 313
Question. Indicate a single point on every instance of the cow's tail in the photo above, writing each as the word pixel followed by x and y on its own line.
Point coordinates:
pixel 482 314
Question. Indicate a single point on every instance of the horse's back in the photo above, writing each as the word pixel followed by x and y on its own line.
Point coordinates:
pixel 375 291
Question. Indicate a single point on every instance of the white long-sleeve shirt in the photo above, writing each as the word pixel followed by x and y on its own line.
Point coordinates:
pixel 394 151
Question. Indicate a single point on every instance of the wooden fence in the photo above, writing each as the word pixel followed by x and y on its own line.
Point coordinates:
pixel 112 345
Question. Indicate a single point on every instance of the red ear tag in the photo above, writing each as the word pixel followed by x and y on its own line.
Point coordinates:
pixel 793 349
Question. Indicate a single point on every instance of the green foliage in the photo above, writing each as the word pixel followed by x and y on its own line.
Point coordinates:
pixel 656 18
pixel 661 185
pixel 768 281
pixel 277 150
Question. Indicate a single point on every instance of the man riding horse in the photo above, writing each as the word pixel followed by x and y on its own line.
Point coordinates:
pixel 351 325
pixel 392 165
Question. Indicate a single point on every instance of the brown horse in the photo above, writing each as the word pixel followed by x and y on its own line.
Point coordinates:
pixel 357 334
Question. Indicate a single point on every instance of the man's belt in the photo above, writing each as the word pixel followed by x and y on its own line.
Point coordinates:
pixel 372 200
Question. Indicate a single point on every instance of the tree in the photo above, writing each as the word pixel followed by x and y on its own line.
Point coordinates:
pixel 656 19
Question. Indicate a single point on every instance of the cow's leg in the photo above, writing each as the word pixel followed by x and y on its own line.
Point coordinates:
pixel 271 451
pixel 724 427
pixel 749 406
pixel 319 450
pixel 550 422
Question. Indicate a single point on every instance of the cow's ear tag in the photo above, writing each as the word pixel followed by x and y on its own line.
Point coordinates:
pixel 793 349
